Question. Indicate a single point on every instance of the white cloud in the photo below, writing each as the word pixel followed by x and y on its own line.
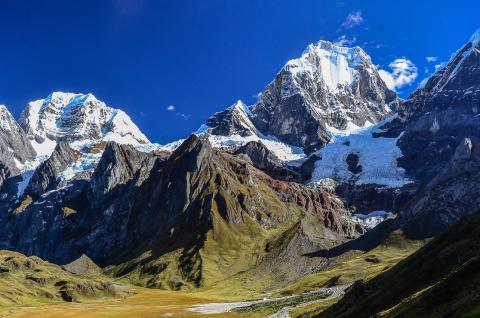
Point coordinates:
pixel 431 59
pixel 353 19
pixel 170 108
pixel 403 72
pixel 344 41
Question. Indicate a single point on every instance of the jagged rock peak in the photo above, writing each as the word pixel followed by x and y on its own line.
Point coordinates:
pixel 15 149
pixel 235 120
pixel 459 72
pixel 47 175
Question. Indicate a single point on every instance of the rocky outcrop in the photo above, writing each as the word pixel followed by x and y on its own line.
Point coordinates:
pixel 440 123
pixel 449 196
pixel 262 158
pixel 83 266
pixel 15 148
pixel 119 166
pixel 232 121
pixel 46 176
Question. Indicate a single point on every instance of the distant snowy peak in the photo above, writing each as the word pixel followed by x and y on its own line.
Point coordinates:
pixel 76 117
pixel 335 65
pixel 327 89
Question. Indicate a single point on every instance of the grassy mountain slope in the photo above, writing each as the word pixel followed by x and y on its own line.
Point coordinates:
pixel 212 215
pixel 442 279
pixel 32 281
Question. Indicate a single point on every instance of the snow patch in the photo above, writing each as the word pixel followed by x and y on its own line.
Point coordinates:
pixel 371 219
pixel 87 162
pixel 283 151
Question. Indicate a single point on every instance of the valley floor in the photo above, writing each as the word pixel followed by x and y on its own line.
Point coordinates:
pixel 148 303
pixel 294 300
pixel 145 303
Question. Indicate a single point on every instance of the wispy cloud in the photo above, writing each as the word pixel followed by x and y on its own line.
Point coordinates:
pixel 170 108
pixel 184 116
pixel 431 59
pixel 403 72
pixel 353 19
pixel 345 41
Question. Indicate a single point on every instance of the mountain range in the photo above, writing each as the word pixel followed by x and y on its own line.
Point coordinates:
pixel 328 162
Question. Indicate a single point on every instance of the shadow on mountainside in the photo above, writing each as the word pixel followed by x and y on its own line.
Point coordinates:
pixel 366 242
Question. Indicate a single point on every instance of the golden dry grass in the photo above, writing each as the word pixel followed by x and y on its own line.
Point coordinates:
pixel 147 303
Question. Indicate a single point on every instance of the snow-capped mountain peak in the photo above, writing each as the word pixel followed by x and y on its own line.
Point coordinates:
pixel 328 88
pixel 76 117
pixel 82 121
pixel 334 64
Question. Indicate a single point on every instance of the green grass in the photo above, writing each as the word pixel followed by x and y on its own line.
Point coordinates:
pixel 32 281
pixel 357 265
pixel 440 279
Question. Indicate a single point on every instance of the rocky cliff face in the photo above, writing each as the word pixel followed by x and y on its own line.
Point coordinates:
pixel 15 149
pixel 234 120
pixel 46 176
pixel 440 126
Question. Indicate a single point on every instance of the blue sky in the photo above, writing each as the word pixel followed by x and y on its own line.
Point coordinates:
pixel 171 64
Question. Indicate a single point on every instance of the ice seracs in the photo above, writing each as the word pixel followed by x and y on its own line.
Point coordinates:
pixel 360 158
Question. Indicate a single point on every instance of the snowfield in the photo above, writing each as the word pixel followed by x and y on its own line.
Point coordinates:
pixel 377 156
